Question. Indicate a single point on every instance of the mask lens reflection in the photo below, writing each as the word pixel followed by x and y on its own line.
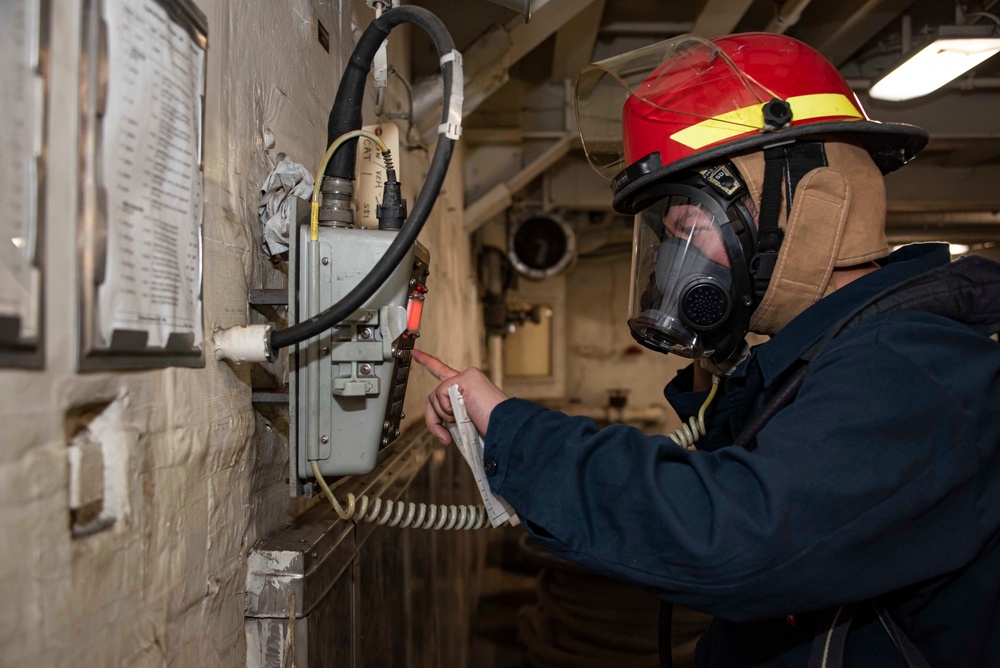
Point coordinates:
pixel 688 220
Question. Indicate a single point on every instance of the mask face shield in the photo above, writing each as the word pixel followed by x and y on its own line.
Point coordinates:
pixel 690 283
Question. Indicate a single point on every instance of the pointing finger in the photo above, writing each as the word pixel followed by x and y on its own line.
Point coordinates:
pixel 436 367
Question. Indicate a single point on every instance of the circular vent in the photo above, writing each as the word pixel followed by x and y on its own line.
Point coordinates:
pixel 540 246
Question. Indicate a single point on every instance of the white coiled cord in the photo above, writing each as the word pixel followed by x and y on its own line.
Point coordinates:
pixel 405 515
pixel 689 433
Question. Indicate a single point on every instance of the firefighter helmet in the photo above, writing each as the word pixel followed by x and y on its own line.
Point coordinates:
pixel 689 102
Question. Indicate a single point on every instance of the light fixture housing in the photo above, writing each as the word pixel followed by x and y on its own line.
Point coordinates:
pixel 954 51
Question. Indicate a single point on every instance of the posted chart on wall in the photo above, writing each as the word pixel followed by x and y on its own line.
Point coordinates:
pixel 22 110
pixel 150 163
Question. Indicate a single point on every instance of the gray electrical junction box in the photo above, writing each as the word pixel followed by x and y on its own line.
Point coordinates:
pixel 346 386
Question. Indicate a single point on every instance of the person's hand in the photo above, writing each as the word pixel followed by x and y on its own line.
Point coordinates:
pixel 480 396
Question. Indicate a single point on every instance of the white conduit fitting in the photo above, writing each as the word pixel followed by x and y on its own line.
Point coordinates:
pixel 787 16
pixel 244 343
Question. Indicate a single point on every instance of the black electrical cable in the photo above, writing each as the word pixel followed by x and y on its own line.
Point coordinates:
pixel 346 113
pixel 346 116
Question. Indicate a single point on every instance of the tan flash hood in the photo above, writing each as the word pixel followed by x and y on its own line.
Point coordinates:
pixel 837 220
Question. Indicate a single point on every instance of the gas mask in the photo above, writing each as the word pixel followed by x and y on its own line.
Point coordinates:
pixel 692 290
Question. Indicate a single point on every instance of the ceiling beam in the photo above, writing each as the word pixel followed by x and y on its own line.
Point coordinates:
pixel 953 232
pixel 647 28
pixel 926 186
pixel 501 196
pixel 479 136
pixel 575 42
pixel 946 112
pixel 787 15
pixel 848 25
pixel 485 70
pixel 547 17
pixel 720 17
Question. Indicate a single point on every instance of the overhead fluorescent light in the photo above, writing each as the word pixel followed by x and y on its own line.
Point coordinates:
pixel 956 50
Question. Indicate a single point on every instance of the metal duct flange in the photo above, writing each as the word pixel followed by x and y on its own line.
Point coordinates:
pixel 540 245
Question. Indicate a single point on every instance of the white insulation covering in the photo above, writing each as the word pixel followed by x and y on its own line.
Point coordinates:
pixel 243 343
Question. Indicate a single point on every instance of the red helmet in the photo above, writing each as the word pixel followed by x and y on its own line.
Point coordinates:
pixel 689 101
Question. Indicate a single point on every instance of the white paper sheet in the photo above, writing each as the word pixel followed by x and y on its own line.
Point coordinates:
pixel 151 162
pixel 470 443
pixel 21 111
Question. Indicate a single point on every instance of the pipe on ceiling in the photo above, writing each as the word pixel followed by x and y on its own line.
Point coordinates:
pixel 787 16
pixel 523 6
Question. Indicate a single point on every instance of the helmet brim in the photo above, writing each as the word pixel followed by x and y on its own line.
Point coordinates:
pixel 891 145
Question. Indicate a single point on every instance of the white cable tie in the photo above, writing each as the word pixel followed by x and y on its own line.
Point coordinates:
pixel 380 65
pixel 450 131
pixel 452 128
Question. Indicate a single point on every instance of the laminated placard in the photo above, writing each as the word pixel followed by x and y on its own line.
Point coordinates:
pixel 143 186
pixel 23 80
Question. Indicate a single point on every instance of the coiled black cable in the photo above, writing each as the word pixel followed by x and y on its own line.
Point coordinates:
pixel 346 116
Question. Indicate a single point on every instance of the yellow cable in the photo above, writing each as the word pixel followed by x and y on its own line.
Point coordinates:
pixel 337 143
pixel 708 400
pixel 326 490
pixel 689 433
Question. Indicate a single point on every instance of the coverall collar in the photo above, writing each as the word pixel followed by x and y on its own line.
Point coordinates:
pixel 804 330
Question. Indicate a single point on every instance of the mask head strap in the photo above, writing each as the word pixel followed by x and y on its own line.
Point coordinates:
pixel 794 160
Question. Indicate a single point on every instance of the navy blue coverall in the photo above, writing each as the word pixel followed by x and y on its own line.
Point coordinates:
pixel 881 479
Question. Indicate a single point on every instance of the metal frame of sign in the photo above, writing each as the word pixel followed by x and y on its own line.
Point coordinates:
pixel 15 349
pixel 127 349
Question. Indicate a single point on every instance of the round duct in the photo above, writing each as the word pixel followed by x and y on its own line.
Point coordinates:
pixel 540 245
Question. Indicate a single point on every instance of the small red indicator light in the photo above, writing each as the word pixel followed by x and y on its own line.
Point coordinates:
pixel 414 309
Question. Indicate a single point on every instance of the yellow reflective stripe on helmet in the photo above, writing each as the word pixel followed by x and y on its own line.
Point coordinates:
pixel 740 121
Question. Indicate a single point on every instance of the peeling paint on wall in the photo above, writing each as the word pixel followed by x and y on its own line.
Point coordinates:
pixel 107 441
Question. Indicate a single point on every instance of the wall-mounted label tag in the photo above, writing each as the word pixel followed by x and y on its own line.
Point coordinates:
pixel 369 172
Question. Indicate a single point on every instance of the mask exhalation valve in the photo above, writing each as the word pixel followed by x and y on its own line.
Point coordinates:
pixel 704 304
